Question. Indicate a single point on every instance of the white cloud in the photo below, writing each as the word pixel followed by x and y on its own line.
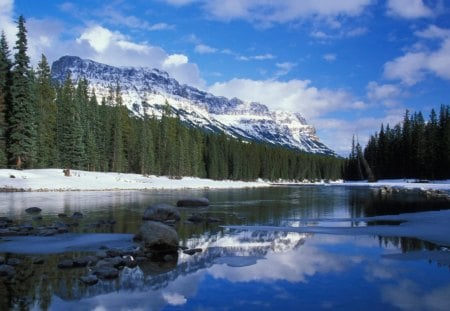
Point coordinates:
pixel 379 92
pixel 255 57
pixel 267 12
pixel 330 57
pixel 412 67
pixel 6 21
pixel 98 38
pixel 293 95
pixel 100 44
pixel 204 49
pixel 175 60
pixel 112 15
pixel 408 9
pixel 433 32
pixel 284 68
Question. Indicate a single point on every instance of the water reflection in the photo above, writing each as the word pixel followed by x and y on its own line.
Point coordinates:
pixel 238 269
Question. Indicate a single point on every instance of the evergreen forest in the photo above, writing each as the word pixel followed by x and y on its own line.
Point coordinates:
pixel 47 125
pixel 414 148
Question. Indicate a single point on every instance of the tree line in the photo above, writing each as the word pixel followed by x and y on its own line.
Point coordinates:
pixel 413 148
pixel 44 124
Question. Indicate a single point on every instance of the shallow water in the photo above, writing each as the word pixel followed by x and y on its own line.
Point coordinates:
pixel 243 267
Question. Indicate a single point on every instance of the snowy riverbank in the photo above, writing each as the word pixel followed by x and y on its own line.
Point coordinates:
pixel 54 180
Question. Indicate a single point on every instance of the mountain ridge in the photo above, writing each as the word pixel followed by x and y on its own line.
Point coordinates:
pixel 146 90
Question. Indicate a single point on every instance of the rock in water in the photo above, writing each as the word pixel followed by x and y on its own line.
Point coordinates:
pixel 7 271
pixel 158 236
pixel 89 279
pixel 193 202
pixel 161 212
pixel 33 210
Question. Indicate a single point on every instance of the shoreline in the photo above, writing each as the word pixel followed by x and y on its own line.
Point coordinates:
pixel 53 180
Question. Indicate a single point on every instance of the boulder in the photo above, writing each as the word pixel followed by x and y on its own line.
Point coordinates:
pixel 106 272
pixel 192 251
pixel 33 210
pixel 77 215
pixel 158 236
pixel 193 202
pixel 84 261
pixel 65 263
pixel 162 213
pixel 89 279
pixel 7 271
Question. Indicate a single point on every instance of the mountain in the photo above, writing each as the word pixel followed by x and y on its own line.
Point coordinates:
pixel 145 91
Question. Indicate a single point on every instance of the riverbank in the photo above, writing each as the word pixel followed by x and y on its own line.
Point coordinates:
pixel 390 183
pixel 55 180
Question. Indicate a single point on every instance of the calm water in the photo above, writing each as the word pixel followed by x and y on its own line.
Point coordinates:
pixel 237 269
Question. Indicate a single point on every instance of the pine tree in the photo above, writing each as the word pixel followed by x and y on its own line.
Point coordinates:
pixel 45 116
pixel 5 98
pixel 119 161
pixel 22 132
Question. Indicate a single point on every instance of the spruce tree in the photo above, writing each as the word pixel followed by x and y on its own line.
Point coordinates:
pixel 45 95
pixel 22 131
pixel 5 98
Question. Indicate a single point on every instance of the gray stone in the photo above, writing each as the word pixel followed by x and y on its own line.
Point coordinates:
pixel 85 260
pixel 161 212
pixel 158 236
pixel 106 272
pixel 89 279
pixel 77 215
pixel 65 263
pixel 192 251
pixel 7 271
pixel 13 262
pixel 33 210
pixel 193 202
pixel 37 260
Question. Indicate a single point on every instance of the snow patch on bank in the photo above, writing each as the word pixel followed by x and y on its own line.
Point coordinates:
pixel 54 180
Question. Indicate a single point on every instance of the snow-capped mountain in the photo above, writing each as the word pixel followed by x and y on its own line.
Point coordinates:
pixel 146 90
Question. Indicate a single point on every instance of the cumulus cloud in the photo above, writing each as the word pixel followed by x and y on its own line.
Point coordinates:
pixel 294 95
pixel 386 93
pixel 408 9
pixel 268 12
pixel 6 21
pixel 413 66
pixel 114 48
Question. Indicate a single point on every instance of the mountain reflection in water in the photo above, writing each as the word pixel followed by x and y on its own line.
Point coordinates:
pixel 241 269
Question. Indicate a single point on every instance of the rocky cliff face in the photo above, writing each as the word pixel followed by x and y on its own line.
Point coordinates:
pixel 145 91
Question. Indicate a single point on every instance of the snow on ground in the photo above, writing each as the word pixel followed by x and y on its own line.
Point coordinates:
pixel 54 180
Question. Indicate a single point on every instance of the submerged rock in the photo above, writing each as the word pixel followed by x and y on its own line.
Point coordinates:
pixel 89 279
pixel 158 236
pixel 33 210
pixel 106 272
pixel 65 263
pixel 193 202
pixel 162 213
pixel 7 271
pixel 192 251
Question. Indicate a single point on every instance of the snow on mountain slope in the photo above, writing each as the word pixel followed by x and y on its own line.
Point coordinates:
pixel 145 91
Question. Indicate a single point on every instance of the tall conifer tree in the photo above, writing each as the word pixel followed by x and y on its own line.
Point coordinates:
pixel 22 132
pixel 5 98
pixel 45 116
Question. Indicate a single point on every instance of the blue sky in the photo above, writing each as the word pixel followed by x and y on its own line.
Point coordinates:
pixel 347 66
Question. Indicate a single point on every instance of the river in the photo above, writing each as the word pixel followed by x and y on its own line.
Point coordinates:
pixel 243 265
